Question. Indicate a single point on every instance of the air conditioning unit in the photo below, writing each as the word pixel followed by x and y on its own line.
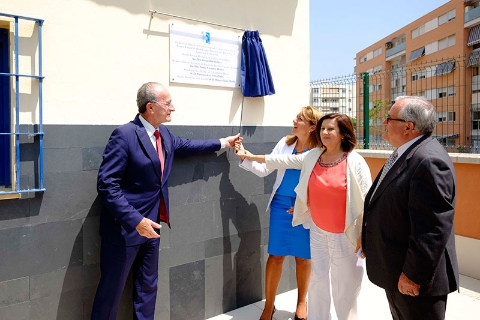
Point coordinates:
pixel 389 45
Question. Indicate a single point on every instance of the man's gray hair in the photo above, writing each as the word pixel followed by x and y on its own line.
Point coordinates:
pixel 420 111
pixel 146 93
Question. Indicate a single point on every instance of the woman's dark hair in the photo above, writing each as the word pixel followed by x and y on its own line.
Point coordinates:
pixel 345 125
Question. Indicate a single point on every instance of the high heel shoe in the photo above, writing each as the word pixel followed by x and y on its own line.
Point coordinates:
pixel 274 309
pixel 297 318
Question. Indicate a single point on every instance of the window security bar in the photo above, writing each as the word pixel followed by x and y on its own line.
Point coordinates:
pixel 17 133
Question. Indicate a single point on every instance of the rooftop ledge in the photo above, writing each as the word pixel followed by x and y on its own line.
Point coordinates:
pixel 471 158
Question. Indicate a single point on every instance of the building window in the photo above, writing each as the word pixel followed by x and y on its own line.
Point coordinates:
pixel 419 94
pixel 418 31
pixel 315 90
pixel 419 75
pixel 440 92
pixel 446 42
pixel 449 16
pixel 446 116
pixel 10 124
pixel 476 120
pixel 377 52
pixel 375 70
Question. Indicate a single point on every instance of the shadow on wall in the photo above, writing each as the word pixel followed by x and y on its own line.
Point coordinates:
pixel 247 268
pixel 81 278
pixel 236 229
pixel 14 213
pixel 249 14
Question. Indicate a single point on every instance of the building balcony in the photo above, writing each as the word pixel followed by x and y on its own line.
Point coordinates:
pixel 396 51
pixel 472 17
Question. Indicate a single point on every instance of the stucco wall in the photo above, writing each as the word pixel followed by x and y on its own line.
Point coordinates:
pixel 98 52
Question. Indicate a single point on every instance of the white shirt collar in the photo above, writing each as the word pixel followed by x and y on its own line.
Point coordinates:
pixel 148 127
pixel 401 150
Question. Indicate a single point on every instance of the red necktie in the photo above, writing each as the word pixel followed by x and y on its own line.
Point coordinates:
pixel 162 210
pixel 160 150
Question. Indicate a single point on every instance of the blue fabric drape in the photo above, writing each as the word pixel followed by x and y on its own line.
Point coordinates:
pixel 255 72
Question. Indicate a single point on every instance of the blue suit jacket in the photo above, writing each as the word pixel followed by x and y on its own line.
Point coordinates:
pixel 129 180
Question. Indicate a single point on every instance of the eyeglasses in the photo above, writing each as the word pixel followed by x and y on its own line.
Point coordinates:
pixel 388 119
pixel 165 104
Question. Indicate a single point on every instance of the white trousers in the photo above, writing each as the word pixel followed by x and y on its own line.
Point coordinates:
pixel 334 255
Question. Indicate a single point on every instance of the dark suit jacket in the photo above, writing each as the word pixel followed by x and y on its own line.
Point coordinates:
pixel 129 183
pixel 408 223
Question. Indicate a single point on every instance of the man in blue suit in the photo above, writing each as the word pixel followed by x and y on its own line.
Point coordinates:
pixel 132 185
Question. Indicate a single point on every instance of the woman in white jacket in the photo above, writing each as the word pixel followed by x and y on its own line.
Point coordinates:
pixel 332 187
pixel 284 239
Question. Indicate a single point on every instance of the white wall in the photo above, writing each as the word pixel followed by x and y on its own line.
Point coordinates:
pixel 468 257
pixel 98 52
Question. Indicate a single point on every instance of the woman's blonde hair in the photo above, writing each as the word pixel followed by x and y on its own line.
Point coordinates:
pixel 312 115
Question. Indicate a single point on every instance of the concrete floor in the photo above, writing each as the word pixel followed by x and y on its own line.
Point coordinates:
pixel 372 304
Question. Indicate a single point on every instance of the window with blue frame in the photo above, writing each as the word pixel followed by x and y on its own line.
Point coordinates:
pixel 11 130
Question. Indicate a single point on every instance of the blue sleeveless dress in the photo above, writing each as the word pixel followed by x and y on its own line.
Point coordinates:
pixel 284 239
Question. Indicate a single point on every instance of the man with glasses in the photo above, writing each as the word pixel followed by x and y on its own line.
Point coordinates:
pixel 408 233
pixel 132 184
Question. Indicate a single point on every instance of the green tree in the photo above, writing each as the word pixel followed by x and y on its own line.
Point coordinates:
pixel 354 122
pixel 379 113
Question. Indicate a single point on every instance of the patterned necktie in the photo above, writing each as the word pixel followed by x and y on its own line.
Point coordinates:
pixel 388 165
pixel 160 150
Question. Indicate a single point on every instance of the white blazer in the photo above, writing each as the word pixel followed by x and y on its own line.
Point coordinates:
pixel 261 170
pixel 359 180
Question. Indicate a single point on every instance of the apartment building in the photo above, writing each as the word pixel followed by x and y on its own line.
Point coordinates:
pixel 436 56
pixel 334 97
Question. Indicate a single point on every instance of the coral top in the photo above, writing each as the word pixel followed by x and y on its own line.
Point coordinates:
pixel 327 196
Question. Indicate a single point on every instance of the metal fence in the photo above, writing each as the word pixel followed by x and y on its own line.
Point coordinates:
pixel 451 84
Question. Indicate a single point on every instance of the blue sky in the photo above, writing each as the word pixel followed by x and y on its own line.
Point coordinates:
pixel 338 30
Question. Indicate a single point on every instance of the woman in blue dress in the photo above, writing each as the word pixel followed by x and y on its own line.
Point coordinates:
pixel 284 239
